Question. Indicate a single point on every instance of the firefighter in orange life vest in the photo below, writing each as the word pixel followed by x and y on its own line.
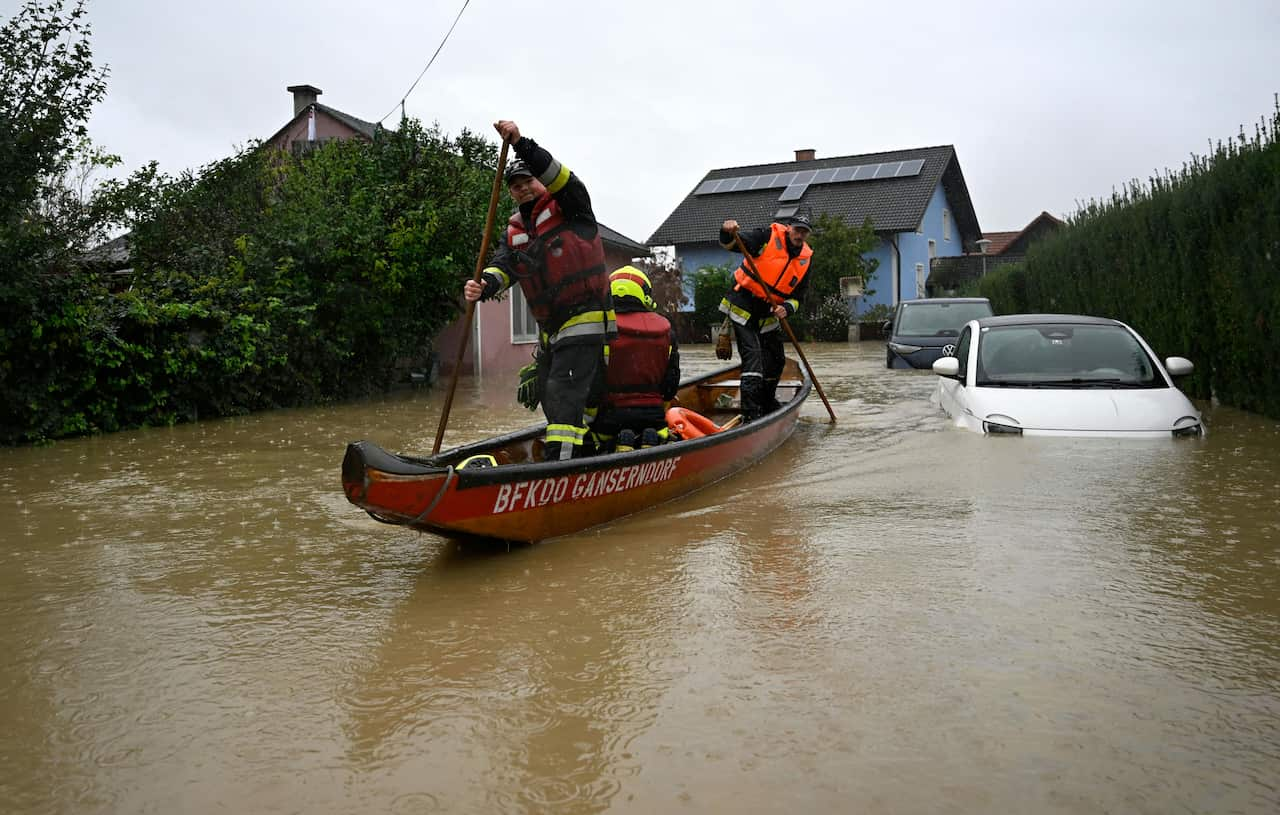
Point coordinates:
pixel 644 368
pixel 552 249
pixel 782 258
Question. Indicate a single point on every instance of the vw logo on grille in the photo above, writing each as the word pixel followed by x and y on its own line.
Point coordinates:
pixel 948 350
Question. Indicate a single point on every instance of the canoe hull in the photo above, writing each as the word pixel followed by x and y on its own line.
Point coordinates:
pixel 532 501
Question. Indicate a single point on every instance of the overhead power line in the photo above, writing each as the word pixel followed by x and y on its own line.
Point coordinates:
pixel 433 59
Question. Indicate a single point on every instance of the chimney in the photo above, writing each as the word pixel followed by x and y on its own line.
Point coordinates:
pixel 807 154
pixel 303 95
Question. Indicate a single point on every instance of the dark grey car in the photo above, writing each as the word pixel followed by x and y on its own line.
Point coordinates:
pixel 922 331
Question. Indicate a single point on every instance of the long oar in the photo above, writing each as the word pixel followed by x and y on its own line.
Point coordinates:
pixel 751 267
pixel 471 306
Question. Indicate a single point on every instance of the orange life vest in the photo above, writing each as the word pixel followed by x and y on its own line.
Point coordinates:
pixel 560 273
pixel 638 360
pixel 780 272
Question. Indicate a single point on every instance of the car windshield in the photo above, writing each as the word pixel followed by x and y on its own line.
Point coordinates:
pixel 938 319
pixel 1064 356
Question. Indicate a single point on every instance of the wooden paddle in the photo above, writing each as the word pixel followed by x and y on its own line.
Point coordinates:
pixel 471 306
pixel 751 268
pixel 732 423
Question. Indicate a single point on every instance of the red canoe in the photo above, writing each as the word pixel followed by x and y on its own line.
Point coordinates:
pixel 523 499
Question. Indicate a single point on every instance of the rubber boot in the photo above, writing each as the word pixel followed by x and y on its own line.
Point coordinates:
pixel 626 441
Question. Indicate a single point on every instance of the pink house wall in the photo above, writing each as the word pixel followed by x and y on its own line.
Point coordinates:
pixel 327 127
pixel 490 344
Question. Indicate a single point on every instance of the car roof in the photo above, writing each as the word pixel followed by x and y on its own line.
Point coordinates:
pixel 1045 319
pixel 928 300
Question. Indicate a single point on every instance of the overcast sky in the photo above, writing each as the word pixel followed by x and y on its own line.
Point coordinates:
pixel 1047 107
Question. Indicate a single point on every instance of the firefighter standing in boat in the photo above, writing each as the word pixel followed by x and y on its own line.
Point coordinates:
pixel 756 307
pixel 644 368
pixel 552 249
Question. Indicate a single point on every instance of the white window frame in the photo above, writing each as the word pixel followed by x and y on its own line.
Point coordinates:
pixel 521 318
pixel 933 249
pixel 920 280
pixel 946 224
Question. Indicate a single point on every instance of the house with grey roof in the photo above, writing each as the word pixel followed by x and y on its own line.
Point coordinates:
pixel 916 200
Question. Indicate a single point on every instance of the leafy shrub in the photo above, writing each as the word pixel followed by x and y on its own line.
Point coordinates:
pixel 1190 259
pixel 830 320
pixel 709 286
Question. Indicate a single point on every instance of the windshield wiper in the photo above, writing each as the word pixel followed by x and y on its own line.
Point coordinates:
pixel 1078 382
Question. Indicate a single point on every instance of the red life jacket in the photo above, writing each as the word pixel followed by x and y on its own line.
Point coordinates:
pixel 781 272
pixel 638 360
pixel 561 273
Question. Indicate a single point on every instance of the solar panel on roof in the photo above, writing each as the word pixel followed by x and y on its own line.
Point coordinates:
pixel 786 212
pixel 793 192
pixel 910 167
pixel 795 183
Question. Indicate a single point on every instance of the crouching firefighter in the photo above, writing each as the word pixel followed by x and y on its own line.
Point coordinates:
pixel 644 368
pixel 552 249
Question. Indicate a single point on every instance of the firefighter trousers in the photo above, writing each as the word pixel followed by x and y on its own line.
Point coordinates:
pixel 574 383
pixel 762 361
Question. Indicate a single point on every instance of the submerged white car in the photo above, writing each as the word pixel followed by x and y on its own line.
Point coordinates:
pixel 1063 375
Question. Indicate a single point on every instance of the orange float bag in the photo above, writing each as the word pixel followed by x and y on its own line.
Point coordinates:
pixel 690 425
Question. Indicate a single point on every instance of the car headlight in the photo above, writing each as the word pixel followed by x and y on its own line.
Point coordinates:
pixel 899 348
pixel 999 424
pixel 1187 426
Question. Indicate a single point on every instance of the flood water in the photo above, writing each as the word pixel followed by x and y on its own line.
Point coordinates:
pixel 886 615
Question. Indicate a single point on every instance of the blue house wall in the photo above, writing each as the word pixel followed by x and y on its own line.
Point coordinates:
pixel 913 248
pixel 694 256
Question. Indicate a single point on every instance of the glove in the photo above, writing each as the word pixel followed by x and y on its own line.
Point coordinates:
pixel 527 392
pixel 724 341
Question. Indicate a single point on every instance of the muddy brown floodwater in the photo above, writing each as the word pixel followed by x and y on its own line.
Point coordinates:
pixel 886 615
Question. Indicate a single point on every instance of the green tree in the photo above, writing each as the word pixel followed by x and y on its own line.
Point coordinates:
pixel 48 87
pixel 263 279
pixel 272 279
pixel 54 316
pixel 709 286
pixel 666 276
pixel 839 250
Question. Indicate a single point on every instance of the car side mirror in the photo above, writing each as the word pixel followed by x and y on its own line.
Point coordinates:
pixel 886 325
pixel 946 366
pixel 1179 366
